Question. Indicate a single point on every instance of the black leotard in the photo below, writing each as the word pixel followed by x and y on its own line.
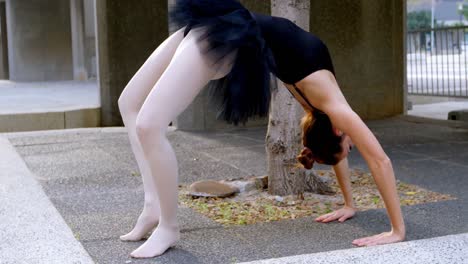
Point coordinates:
pixel 297 53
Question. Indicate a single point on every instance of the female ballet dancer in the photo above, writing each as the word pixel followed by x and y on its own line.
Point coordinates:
pixel 221 40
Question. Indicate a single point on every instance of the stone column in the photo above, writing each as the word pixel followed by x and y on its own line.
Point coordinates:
pixel 4 72
pixel 90 38
pixel 366 42
pixel 39 40
pixel 77 30
pixel 128 31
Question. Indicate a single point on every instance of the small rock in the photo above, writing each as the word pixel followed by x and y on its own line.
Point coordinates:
pixel 279 198
pixel 211 189
pixel 261 182
pixel 248 185
pixel 242 186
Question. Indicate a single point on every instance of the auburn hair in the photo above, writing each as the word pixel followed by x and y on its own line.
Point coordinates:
pixel 320 142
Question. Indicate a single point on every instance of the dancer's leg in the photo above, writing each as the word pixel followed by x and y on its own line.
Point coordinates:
pixel 186 75
pixel 130 103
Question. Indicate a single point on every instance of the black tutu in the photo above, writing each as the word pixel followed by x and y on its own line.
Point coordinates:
pixel 245 91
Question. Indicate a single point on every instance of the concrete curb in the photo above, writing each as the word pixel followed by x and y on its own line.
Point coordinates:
pixel 86 130
pixel 452 249
pixel 69 131
pixel 32 230
pixel 60 119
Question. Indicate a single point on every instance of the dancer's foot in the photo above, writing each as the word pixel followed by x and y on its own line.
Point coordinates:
pixel 162 239
pixel 147 220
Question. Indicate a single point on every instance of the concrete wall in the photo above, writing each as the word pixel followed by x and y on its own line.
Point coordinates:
pixel 128 31
pixel 366 41
pixel 39 40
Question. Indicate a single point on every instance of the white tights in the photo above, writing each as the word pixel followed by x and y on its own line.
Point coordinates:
pixel 161 89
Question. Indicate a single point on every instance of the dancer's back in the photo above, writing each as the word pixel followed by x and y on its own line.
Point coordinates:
pixel 297 53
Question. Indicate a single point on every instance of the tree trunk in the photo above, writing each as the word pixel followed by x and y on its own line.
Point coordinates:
pixel 283 140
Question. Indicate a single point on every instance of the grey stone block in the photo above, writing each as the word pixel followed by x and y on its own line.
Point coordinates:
pixel 32 121
pixel 83 118
pixel 460 115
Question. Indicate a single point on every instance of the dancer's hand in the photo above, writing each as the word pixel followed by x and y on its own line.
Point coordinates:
pixel 341 215
pixel 380 239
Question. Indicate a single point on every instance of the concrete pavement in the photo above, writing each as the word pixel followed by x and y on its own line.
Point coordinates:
pixel 438 110
pixel 31 229
pixel 27 106
pixel 446 249
pixel 88 176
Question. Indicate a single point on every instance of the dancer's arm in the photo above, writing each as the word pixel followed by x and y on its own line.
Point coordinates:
pixel 349 122
pixel 322 90
pixel 343 176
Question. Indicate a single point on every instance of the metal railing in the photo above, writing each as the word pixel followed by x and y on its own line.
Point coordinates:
pixel 439 67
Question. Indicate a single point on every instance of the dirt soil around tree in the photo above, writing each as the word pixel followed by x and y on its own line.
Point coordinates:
pixel 259 206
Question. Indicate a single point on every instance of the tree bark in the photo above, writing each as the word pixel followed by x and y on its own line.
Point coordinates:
pixel 283 141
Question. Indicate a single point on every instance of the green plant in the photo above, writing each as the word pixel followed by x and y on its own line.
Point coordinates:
pixel 419 20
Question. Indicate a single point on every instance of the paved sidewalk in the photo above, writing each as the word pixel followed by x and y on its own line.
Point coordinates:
pixel 31 229
pixel 437 110
pixel 39 97
pixel 87 175
pixel 446 249
pixel 27 106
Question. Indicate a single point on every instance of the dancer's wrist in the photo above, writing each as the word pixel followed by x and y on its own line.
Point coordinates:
pixel 399 230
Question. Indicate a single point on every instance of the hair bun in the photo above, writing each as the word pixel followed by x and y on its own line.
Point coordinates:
pixel 306 158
